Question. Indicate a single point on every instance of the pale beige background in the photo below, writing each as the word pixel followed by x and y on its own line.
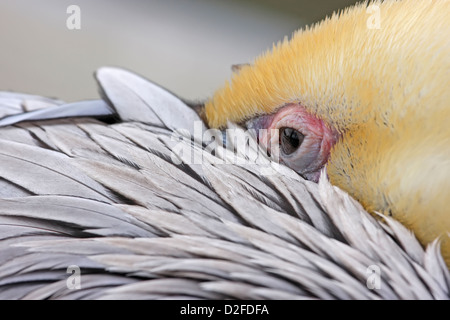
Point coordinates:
pixel 187 46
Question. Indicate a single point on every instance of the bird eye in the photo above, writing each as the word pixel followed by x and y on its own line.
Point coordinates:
pixel 290 140
pixel 296 138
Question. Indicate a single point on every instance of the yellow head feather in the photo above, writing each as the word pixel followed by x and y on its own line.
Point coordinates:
pixel 386 90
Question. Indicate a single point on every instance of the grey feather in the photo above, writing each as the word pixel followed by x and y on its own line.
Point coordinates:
pixel 95 108
pixel 37 164
pixel 16 103
pixel 136 99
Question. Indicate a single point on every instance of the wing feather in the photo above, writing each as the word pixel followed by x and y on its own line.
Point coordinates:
pixel 94 108
pixel 151 104
pixel 115 200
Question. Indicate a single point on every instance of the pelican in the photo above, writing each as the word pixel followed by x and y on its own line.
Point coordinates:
pixel 137 196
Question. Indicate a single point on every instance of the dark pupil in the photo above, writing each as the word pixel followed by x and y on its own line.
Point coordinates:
pixel 290 140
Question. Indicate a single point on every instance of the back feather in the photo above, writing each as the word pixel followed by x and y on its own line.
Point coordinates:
pixel 114 200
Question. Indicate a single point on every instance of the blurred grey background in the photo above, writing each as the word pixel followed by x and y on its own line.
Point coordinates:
pixel 187 46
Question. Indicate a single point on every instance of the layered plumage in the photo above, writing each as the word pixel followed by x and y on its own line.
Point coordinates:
pixel 113 200
pixel 122 201
pixel 385 90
